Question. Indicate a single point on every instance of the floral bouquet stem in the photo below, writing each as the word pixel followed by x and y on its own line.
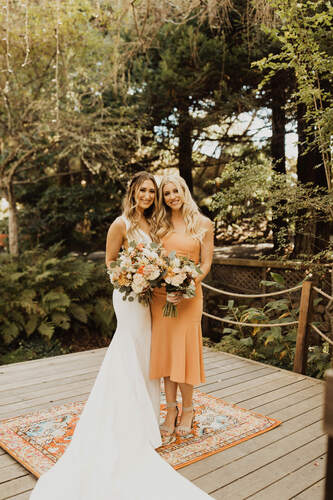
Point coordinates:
pixel 146 297
pixel 170 310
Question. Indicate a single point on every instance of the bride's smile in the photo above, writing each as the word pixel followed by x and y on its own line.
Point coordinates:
pixel 145 195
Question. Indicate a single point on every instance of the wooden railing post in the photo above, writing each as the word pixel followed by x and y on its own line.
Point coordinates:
pixel 305 312
pixel 328 428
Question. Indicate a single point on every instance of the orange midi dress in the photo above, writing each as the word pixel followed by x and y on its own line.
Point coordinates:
pixel 176 344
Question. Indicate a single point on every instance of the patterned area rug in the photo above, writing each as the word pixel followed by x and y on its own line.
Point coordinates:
pixel 37 440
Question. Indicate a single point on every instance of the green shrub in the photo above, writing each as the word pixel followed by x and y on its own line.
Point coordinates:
pixel 44 294
pixel 274 345
pixel 80 215
pixel 33 348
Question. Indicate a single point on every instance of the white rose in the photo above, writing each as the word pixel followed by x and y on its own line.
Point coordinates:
pixel 149 254
pixel 178 279
pixel 125 261
pixel 139 283
pixel 177 270
pixel 153 273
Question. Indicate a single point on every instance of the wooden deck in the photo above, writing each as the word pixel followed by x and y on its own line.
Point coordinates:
pixel 285 463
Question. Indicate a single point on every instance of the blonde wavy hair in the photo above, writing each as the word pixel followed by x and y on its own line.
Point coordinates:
pixel 190 210
pixel 130 204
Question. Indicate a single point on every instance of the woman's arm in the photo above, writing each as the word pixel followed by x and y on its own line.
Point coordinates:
pixel 115 239
pixel 206 257
pixel 207 248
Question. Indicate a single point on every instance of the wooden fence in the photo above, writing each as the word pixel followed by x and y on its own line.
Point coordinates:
pixel 246 275
pixel 305 325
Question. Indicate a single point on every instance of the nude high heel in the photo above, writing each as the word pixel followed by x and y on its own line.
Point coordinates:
pixel 168 430
pixel 184 430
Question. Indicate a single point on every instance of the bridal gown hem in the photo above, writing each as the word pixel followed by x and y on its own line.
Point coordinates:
pixel 112 452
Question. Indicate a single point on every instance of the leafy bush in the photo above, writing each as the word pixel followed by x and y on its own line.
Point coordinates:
pixel 33 348
pixel 44 294
pixel 275 345
pixel 251 193
pixel 80 215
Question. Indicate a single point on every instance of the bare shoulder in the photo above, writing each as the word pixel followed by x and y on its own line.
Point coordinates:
pixel 118 225
pixel 206 223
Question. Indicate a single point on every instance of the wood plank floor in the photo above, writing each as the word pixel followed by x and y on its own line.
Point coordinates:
pixel 285 463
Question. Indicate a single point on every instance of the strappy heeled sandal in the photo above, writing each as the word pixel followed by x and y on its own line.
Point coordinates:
pixel 183 430
pixel 168 430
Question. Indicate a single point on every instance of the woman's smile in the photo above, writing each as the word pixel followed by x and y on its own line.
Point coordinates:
pixel 145 195
pixel 172 197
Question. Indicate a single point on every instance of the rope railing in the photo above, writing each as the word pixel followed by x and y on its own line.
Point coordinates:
pixel 318 290
pixel 259 325
pixel 304 320
pixel 321 334
pixel 240 323
pixel 252 296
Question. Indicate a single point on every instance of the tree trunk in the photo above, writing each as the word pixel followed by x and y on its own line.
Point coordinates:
pixel 278 102
pixel 185 145
pixel 63 168
pixel 311 237
pixel 12 222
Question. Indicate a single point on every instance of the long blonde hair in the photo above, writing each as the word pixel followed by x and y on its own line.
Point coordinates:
pixel 190 210
pixel 130 204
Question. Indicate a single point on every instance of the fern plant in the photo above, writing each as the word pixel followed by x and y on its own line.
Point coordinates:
pixel 44 293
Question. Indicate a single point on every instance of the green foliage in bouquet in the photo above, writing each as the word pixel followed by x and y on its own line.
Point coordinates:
pixel 44 294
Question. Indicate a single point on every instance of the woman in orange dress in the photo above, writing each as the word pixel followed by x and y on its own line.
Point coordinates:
pixel 176 349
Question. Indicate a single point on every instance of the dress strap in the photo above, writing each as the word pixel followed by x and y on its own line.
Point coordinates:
pixel 127 222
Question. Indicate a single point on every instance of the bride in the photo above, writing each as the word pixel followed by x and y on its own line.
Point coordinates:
pixel 112 453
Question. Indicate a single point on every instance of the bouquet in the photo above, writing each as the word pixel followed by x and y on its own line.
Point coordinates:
pixel 179 277
pixel 137 271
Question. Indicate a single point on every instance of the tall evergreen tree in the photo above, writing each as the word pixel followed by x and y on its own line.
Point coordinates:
pixel 194 77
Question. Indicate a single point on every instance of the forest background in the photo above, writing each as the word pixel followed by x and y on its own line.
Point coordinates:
pixel 93 91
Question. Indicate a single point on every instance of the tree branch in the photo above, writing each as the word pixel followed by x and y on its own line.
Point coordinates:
pixel 19 162
pixel 35 181
pixel 8 160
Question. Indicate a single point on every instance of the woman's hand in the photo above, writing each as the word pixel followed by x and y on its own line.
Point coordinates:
pixel 175 297
pixel 198 280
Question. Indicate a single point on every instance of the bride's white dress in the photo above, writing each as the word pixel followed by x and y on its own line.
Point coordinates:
pixel 112 453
